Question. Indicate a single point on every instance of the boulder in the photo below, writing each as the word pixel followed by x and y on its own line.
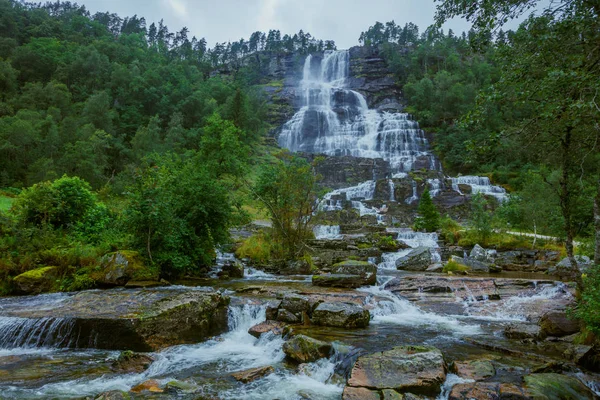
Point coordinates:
pixel 366 270
pixel 341 315
pixel 299 267
pixel 274 327
pixel 116 269
pixel 131 363
pixel 480 254
pixel 36 281
pixel 339 281
pixel 304 349
pixel 523 331
pixel 297 304
pixel 558 324
pixel 414 369
pixel 388 394
pixel 478 390
pixel 234 269
pixel 151 385
pixel 564 268
pixel 181 387
pixel 556 386
pixel 253 374
pixel 354 393
pixel 418 259
pixel 477 370
pixel 286 316
pixel 141 320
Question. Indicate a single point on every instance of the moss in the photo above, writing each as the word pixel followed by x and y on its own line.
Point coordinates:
pixel 352 262
pixel 36 273
pixel 453 266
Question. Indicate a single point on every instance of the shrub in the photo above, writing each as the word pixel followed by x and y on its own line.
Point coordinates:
pixel 257 248
pixel 453 266
pixel 429 217
pixel 451 230
pixel 60 204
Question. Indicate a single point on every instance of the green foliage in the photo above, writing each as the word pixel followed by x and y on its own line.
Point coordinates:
pixel 177 213
pixel 453 266
pixel 588 306
pixel 257 248
pixel 481 219
pixel 287 189
pixel 429 217
pixel 5 203
pixel 450 230
pixel 62 203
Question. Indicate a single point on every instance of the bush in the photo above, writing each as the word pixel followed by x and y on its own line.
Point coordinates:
pixel 453 266
pixel 451 230
pixel 429 217
pixel 60 204
pixel 257 248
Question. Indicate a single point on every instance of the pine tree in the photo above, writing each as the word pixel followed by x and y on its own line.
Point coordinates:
pixel 429 217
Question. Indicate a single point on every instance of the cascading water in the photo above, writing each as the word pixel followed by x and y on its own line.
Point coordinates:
pixel 479 184
pixel 334 120
pixel 233 351
pixel 29 333
pixel 327 232
pixel 392 190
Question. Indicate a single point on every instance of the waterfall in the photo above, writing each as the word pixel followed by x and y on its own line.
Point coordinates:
pixel 327 232
pixel 333 201
pixel 415 195
pixel 334 120
pixel 28 333
pixel 479 184
pixel 435 187
pixel 392 190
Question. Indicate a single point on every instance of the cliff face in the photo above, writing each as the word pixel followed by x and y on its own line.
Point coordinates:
pixel 282 73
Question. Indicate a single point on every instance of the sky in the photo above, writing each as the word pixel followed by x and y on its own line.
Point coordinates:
pixel 229 20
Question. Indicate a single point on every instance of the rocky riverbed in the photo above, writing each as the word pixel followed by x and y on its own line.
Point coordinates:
pixel 414 334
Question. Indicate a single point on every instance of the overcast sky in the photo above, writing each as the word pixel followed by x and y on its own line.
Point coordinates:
pixel 228 20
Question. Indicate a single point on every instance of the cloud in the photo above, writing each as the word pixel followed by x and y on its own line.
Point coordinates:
pixel 267 16
pixel 179 8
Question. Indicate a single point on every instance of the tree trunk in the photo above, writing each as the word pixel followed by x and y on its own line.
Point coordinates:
pixel 565 198
pixel 597 225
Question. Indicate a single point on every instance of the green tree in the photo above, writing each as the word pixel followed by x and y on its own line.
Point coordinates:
pixel 177 214
pixel 429 216
pixel 287 189
pixel 481 219
pixel 60 204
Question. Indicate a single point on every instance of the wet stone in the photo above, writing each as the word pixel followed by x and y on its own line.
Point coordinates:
pixel 352 393
pixel 304 349
pixel 341 315
pixel 477 370
pixel 253 374
pixel 274 327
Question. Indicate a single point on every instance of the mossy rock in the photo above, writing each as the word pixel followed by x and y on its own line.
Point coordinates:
pixel 36 281
pixel 556 387
pixel 304 349
pixel 116 269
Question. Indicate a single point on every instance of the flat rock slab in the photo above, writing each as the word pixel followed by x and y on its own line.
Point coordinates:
pixel 414 369
pixel 138 320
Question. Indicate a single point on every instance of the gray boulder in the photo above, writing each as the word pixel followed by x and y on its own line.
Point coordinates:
pixel 341 315
pixel 418 259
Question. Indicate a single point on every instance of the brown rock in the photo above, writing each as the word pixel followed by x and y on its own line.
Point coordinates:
pixel 253 374
pixel 132 363
pixel 275 327
pixel 557 323
pixel 509 391
pixel 416 369
pixel 389 394
pixel 477 370
pixel 353 393
pixel 479 391
pixel 151 385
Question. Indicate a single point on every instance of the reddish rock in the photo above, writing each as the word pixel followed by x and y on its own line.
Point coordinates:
pixel 353 393
pixel 477 370
pixel 275 327
pixel 151 385
pixel 253 374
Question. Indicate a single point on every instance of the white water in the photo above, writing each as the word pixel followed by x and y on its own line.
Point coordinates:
pixel 389 308
pixel 333 201
pixel 451 381
pixel 334 120
pixel 414 240
pixel 479 184
pixel 435 187
pixel 392 190
pixel 327 232
pixel 19 335
pixel 233 351
pixel 415 195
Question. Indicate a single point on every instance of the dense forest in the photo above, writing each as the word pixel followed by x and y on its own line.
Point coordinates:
pixel 135 120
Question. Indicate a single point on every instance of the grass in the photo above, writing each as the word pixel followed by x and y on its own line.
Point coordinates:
pixel 5 203
pixel 453 266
